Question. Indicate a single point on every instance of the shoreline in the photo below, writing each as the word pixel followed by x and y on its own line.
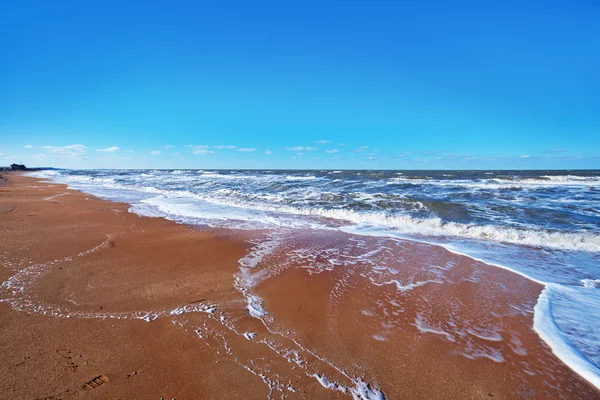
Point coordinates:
pixel 408 343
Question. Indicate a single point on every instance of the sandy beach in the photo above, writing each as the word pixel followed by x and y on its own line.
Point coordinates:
pixel 99 302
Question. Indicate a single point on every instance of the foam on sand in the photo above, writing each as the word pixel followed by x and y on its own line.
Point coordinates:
pixel 423 327
pixel 360 391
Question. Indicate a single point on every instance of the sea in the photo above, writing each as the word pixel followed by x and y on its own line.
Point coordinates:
pixel 543 225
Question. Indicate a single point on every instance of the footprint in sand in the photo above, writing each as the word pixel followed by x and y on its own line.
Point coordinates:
pixel 97 381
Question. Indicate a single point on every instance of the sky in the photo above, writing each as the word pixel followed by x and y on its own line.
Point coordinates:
pixel 301 85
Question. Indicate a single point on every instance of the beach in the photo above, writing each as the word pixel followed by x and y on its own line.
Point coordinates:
pixel 161 309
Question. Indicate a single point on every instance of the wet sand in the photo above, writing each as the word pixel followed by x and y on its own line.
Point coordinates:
pixel 160 310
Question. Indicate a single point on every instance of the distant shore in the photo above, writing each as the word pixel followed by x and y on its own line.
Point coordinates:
pixel 100 301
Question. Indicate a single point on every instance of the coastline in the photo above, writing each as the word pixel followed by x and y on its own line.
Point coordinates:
pixel 123 269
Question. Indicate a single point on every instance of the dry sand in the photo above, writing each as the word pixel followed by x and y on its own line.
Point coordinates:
pixel 82 277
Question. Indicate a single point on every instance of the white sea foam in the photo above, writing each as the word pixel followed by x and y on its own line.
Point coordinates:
pixel 363 391
pixel 572 178
pixel 423 327
pixel 579 241
pixel 584 241
pixel 50 198
pixel 254 307
pixel 491 353
pixel 497 183
pixel 300 178
pixel 485 334
pixel 591 283
pixel 559 305
pixel 360 391
pixel 325 382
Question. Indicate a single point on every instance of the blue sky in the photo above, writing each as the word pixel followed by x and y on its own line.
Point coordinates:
pixel 275 84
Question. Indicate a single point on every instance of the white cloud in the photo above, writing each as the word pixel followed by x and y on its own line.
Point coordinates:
pixel 332 151
pixel 361 149
pixel 268 151
pixel 28 146
pixel 525 156
pixel 302 148
pixel 73 150
pixel 247 149
pixel 229 147
pixel 201 150
pixel 66 149
pixel 323 141
pixel 155 153
pixel 167 147
pixel 557 150
pixel 109 149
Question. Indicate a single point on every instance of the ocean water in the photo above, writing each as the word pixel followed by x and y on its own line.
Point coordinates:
pixel 544 225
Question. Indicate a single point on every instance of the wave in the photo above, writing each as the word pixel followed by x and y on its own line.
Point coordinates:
pixel 581 241
pixel 216 175
pixel 300 178
pixel 591 283
pixel 405 224
pixel 569 178
pixel 259 177
pixel 559 306
pixel 578 241
pixel 501 183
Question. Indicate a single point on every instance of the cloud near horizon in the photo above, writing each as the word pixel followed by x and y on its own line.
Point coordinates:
pixel 72 150
pixel 302 148
pixel 201 150
pixel 80 155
